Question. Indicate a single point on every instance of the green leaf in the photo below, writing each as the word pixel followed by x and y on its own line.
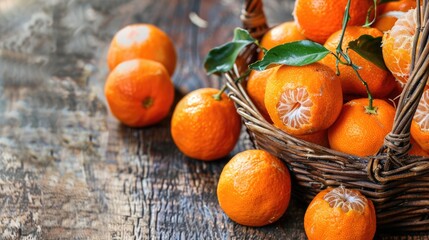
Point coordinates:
pixel 297 53
pixel 369 47
pixel 241 34
pixel 221 59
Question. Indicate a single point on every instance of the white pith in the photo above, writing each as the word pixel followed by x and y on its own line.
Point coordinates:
pixel 345 199
pixel 294 107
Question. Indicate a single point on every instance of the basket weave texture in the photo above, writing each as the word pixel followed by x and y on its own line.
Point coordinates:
pixel 397 183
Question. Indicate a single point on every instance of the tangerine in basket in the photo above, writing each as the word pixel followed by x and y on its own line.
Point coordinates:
pixel 359 132
pixel 280 34
pixel 255 88
pixel 142 41
pixel 318 19
pixel 391 11
pixel 204 127
pixel 397 46
pixel 303 100
pixel 254 188
pixel 340 213
pixel 378 80
pixel 139 92
pixel 420 123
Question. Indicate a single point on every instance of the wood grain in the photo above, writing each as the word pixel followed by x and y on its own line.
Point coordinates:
pixel 68 169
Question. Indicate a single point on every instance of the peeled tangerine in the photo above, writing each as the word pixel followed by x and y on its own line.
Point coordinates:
pixel 397 46
pixel 303 100
pixel 340 213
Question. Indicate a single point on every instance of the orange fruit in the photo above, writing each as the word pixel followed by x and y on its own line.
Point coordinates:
pixel 254 188
pixel 391 11
pixel 358 132
pixel 142 41
pixel 255 88
pixel 378 80
pixel 280 34
pixel 340 213
pixel 416 150
pixel 397 46
pixel 386 21
pixel 303 100
pixel 203 127
pixel 318 19
pixel 420 123
pixel 139 92
pixel 401 5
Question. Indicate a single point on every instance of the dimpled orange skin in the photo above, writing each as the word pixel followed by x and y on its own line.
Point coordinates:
pixel 322 222
pixel 378 80
pixel 254 188
pixel 139 92
pixel 255 88
pixel 318 19
pixel 323 87
pixel 283 33
pixel 204 128
pixel 142 41
pixel 359 133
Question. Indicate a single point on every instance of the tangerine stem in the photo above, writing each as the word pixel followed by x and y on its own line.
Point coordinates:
pixel 368 15
pixel 347 60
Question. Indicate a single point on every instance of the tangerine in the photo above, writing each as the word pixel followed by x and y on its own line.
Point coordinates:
pixel 254 188
pixel 359 132
pixel 318 19
pixel 204 127
pixel 303 100
pixel 139 92
pixel 340 213
pixel 142 41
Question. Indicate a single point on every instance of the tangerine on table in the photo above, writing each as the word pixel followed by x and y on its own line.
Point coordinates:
pixel 203 127
pixel 254 188
pixel 378 80
pixel 397 46
pixel 391 11
pixel 142 41
pixel 340 213
pixel 303 100
pixel 139 92
pixel 318 19
pixel 283 33
pixel 358 132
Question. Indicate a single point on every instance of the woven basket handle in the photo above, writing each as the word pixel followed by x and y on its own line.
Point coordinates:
pixel 397 142
pixel 253 18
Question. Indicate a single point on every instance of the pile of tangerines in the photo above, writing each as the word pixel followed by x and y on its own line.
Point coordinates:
pixel 323 102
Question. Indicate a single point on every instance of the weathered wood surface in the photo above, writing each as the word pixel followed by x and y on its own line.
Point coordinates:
pixel 68 169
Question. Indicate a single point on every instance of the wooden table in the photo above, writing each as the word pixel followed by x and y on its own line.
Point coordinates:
pixel 68 169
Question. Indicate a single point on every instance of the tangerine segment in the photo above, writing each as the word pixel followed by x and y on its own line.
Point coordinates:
pixel 397 46
pixel 377 79
pixel 139 92
pixel 420 124
pixel 318 19
pixel 142 41
pixel 303 100
pixel 358 132
pixel 205 128
pixel 340 213
pixel 254 188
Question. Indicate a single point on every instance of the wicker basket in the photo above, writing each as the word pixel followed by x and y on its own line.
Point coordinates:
pixel 398 184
